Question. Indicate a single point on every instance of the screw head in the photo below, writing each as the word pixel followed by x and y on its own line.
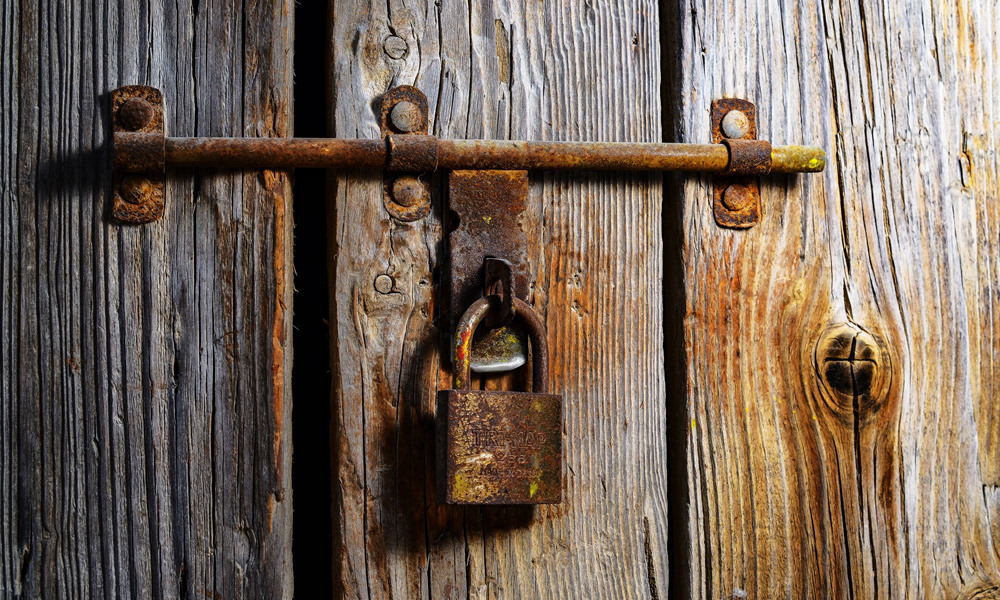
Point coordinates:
pixel 395 47
pixel 384 283
pixel 408 191
pixel 736 197
pixel 135 189
pixel 735 125
pixel 135 113
pixel 406 116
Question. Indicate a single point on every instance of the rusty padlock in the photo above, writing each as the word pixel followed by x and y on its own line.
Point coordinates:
pixel 498 447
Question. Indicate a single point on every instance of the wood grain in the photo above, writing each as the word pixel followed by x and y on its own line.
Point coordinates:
pixel 144 369
pixel 798 485
pixel 522 71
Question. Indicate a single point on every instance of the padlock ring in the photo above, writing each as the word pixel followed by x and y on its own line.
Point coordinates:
pixel 532 324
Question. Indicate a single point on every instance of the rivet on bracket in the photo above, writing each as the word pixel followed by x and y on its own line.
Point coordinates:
pixel 406 195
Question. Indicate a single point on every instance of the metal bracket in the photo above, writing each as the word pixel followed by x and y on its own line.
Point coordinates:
pixel 737 189
pixel 407 194
pixel 137 153
pixel 488 207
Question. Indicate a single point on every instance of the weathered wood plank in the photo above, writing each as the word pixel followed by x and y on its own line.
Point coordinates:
pixel 142 403
pixel 804 480
pixel 498 70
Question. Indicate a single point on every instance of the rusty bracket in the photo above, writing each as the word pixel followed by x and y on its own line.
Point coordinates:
pixel 737 189
pixel 412 154
pixel 487 208
pixel 138 154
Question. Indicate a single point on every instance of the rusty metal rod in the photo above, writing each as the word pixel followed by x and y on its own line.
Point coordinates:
pixel 618 156
pixel 273 153
pixel 287 153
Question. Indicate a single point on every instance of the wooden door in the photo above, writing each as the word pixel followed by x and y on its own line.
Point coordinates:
pixel 143 405
pixel 822 392
pixel 803 409
pixel 547 71
pixel 842 428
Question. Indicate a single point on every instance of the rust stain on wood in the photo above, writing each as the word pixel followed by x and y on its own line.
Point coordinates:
pixel 275 184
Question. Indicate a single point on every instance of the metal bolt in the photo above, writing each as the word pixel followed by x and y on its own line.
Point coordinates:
pixel 394 47
pixel 135 189
pixel 736 197
pixel 735 125
pixel 384 283
pixel 406 116
pixel 848 359
pixel 135 114
pixel 408 191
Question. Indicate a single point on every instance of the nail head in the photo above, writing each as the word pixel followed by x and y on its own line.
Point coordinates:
pixel 406 116
pixel 735 124
pixel 135 189
pixel 135 113
pixel 409 191
pixel 384 283
pixel 736 197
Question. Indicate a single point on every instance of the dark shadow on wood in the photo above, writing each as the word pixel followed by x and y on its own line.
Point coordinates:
pixel 674 306
pixel 312 533
pixel 74 174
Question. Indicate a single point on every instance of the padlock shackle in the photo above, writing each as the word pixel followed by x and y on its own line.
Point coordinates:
pixel 524 314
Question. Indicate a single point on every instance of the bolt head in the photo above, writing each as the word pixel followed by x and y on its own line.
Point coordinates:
pixel 735 125
pixel 394 47
pixel 135 189
pixel 384 283
pixel 406 116
pixel 408 191
pixel 736 197
pixel 135 114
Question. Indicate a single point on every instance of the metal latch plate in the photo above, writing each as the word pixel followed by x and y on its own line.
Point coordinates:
pixel 737 197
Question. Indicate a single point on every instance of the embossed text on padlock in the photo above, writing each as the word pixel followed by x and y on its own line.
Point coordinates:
pixel 496 447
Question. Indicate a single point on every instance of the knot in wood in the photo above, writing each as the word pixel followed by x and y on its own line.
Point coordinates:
pixel 395 47
pixel 986 591
pixel 854 365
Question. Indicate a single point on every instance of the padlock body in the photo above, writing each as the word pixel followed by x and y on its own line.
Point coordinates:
pixel 499 447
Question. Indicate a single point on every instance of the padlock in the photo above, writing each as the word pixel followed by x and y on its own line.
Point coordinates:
pixel 497 447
